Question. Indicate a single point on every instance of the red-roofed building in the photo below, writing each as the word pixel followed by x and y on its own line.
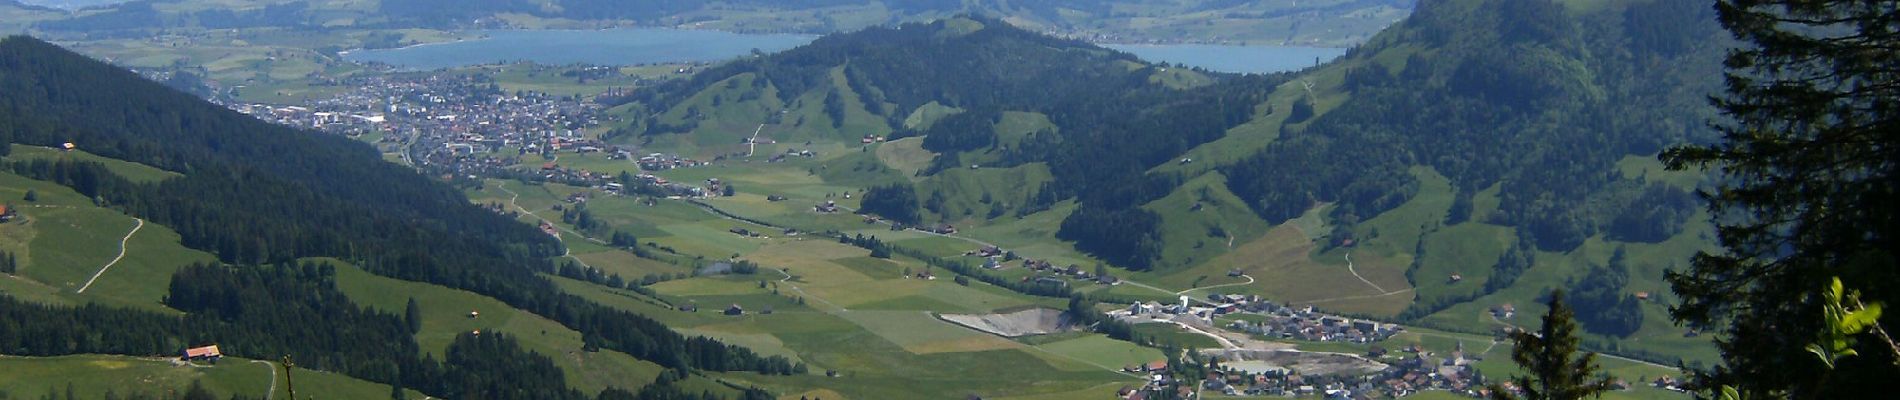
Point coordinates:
pixel 203 353
pixel 1157 366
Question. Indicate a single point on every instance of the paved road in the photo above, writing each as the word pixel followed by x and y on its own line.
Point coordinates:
pixel 1248 282
pixel 115 260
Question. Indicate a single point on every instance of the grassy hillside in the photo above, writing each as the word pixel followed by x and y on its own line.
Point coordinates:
pixel 446 313
pixel 93 376
pixel 63 240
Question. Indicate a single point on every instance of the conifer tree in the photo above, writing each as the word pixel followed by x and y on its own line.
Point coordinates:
pixel 1557 373
pixel 1810 192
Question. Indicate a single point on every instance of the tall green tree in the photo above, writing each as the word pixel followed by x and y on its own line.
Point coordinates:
pixel 412 316
pixel 1557 373
pixel 1809 148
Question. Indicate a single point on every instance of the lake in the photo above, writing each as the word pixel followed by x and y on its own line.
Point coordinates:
pixel 603 47
pixel 650 46
pixel 1237 59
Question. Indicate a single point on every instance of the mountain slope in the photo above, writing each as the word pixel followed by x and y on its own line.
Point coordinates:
pixel 257 193
pixel 1509 143
pixel 1017 100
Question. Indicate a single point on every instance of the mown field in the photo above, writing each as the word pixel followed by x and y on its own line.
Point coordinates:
pixel 94 376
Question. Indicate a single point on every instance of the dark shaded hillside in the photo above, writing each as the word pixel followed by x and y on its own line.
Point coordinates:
pixel 1115 120
pixel 1531 96
pixel 255 193
pixel 1526 94
pixel 53 97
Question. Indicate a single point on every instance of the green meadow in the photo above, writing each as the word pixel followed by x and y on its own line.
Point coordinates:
pixel 93 376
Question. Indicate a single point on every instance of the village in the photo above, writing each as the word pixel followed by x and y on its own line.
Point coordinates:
pixel 464 125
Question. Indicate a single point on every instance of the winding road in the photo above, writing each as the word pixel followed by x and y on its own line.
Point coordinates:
pixel 1355 274
pixel 115 260
pixel 273 378
pixel 752 145
pixel 565 250
pixel 801 292
pixel 1249 281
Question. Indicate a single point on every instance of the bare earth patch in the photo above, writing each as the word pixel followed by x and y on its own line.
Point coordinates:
pixel 1035 321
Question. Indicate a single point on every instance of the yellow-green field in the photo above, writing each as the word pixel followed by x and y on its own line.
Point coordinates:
pixel 92 376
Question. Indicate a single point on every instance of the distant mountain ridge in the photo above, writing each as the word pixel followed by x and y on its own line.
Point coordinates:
pixel 1532 122
pixel 255 193
pixel 1314 22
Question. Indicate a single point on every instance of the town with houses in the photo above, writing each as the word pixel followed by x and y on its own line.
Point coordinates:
pixel 464 126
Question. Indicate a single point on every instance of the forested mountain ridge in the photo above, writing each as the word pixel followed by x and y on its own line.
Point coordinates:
pixel 1315 22
pixel 253 194
pixel 1105 117
pixel 1483 92
pixel 1493 150
pixel 1530 95
pixel 1509 145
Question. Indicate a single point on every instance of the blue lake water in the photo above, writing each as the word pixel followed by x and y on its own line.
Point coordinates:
pixel 648 46
pixel 1238 59
pixel 603 47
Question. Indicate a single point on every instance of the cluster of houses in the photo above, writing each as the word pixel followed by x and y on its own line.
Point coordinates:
pixel 665 161
pixel 1281 383
pixel 1307 324
pixel 448 119
pixel 654 184
pixel 1410 371
pixel 792 153
pixel 828 207
pixel 1045 272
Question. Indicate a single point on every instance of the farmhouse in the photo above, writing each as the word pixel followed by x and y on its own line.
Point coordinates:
pixel 6 213
pixel 735 310
pixel 203 353
pixel 1156 366
pixel 1505 310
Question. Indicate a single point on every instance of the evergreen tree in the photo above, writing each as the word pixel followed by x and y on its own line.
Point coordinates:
pixel 412 315
pixel 1810 192
pixel 1556 374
